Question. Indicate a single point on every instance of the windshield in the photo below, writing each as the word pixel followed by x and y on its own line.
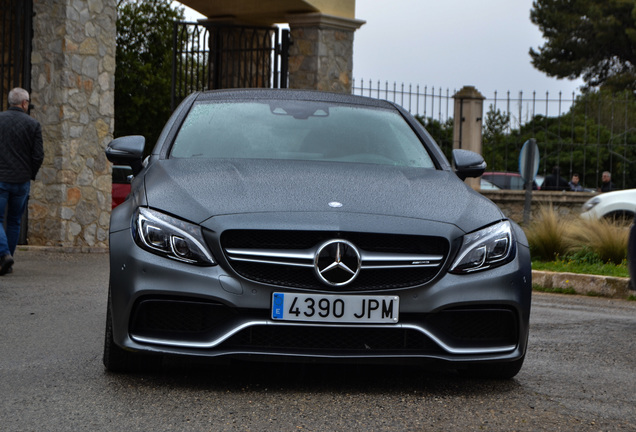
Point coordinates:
pixel 299 130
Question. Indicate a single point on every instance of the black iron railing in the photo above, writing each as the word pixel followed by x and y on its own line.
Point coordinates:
pixel 16 33
pixel 207 57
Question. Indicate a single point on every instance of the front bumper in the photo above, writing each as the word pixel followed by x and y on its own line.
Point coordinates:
pixel 169 307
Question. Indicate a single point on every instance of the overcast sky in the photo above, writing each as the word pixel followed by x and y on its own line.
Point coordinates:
pixel 450 44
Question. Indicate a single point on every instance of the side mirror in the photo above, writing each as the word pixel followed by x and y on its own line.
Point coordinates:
pixel 127 150
pixel 468 164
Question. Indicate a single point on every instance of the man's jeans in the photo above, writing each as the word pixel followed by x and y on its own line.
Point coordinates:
pixel 13 201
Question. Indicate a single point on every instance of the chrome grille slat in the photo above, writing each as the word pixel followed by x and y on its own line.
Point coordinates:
pixel 377 260
pixel 369 260
pixel 288 257
pixel 272 253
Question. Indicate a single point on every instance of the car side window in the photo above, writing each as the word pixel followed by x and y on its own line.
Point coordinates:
pixel 516 183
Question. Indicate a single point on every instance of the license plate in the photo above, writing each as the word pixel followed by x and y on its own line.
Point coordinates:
pixel 335 308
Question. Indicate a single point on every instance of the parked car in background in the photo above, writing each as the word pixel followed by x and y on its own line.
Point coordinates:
pixel 122 176
pixel 509 180
pixel 307 226
pixel 486 185
pixel 616 205
pixel 631 255
pixel 504 180
pixel 538 181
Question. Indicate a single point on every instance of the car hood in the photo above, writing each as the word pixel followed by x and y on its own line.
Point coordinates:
pixel 198 189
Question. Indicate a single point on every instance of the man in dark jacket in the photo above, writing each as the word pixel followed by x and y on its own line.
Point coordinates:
pixel 555 182
pixel 21 155
pixel 606 182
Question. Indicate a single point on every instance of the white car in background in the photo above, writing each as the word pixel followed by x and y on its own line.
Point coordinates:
pixel 611 205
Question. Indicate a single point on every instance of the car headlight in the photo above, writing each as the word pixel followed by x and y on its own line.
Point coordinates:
pixel 591 203
pixel 484 249
pixel 170 237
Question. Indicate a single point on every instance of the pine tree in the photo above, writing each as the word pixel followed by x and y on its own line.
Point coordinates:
pixel 591 39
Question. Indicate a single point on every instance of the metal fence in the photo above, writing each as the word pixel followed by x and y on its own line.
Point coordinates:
pixel 584 134
pixel 207 57
pixel 15 46
pixel 436 103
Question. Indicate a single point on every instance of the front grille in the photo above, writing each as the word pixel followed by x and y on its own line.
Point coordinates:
pixel 286 258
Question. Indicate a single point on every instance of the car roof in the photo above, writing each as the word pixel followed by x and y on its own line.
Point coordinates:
pixel 502 173
pixel 290 94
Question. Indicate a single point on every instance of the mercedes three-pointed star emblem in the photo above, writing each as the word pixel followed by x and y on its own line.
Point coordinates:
pixel 337 262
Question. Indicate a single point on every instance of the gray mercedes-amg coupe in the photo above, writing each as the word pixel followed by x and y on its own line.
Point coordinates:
pixel 310 226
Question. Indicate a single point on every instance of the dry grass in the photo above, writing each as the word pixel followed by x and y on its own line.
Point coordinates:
pixel 606 238
pixel 551 236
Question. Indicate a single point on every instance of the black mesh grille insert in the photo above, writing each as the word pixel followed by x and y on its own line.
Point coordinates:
pixel 336 340
pixel 175 319
pixel 481 326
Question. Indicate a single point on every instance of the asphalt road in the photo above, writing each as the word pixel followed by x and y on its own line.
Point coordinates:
pixel 580 373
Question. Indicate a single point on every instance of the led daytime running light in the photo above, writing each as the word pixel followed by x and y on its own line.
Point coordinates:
pixel 171 237
pixel 484 249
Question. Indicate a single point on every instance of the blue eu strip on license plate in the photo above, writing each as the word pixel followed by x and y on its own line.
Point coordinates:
pixel 335 308
pixel 277 305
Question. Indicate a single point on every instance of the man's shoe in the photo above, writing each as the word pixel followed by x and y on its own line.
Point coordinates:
pixel 5 264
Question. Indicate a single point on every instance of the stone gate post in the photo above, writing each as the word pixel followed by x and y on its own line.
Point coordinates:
pixel 321 54
pixel 469 109
pixel 72 89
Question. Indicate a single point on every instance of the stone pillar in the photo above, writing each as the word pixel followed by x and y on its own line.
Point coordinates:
pixel 73 83
pixel 321 54
pixel 469 109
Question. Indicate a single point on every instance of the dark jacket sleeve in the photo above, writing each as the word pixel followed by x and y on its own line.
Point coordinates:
pixel 37 153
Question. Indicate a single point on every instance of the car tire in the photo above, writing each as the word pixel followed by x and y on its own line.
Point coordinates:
pixel 116 359
pixel 493 370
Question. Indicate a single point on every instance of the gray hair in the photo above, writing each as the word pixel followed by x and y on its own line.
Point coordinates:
pixel 17 96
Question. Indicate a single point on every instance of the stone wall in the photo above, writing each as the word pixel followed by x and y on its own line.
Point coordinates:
pixel 511 202
pixel 73 83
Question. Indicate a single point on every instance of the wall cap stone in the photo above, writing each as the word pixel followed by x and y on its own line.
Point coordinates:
pixel 539 196
pixel 324 21
pixel 469 93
